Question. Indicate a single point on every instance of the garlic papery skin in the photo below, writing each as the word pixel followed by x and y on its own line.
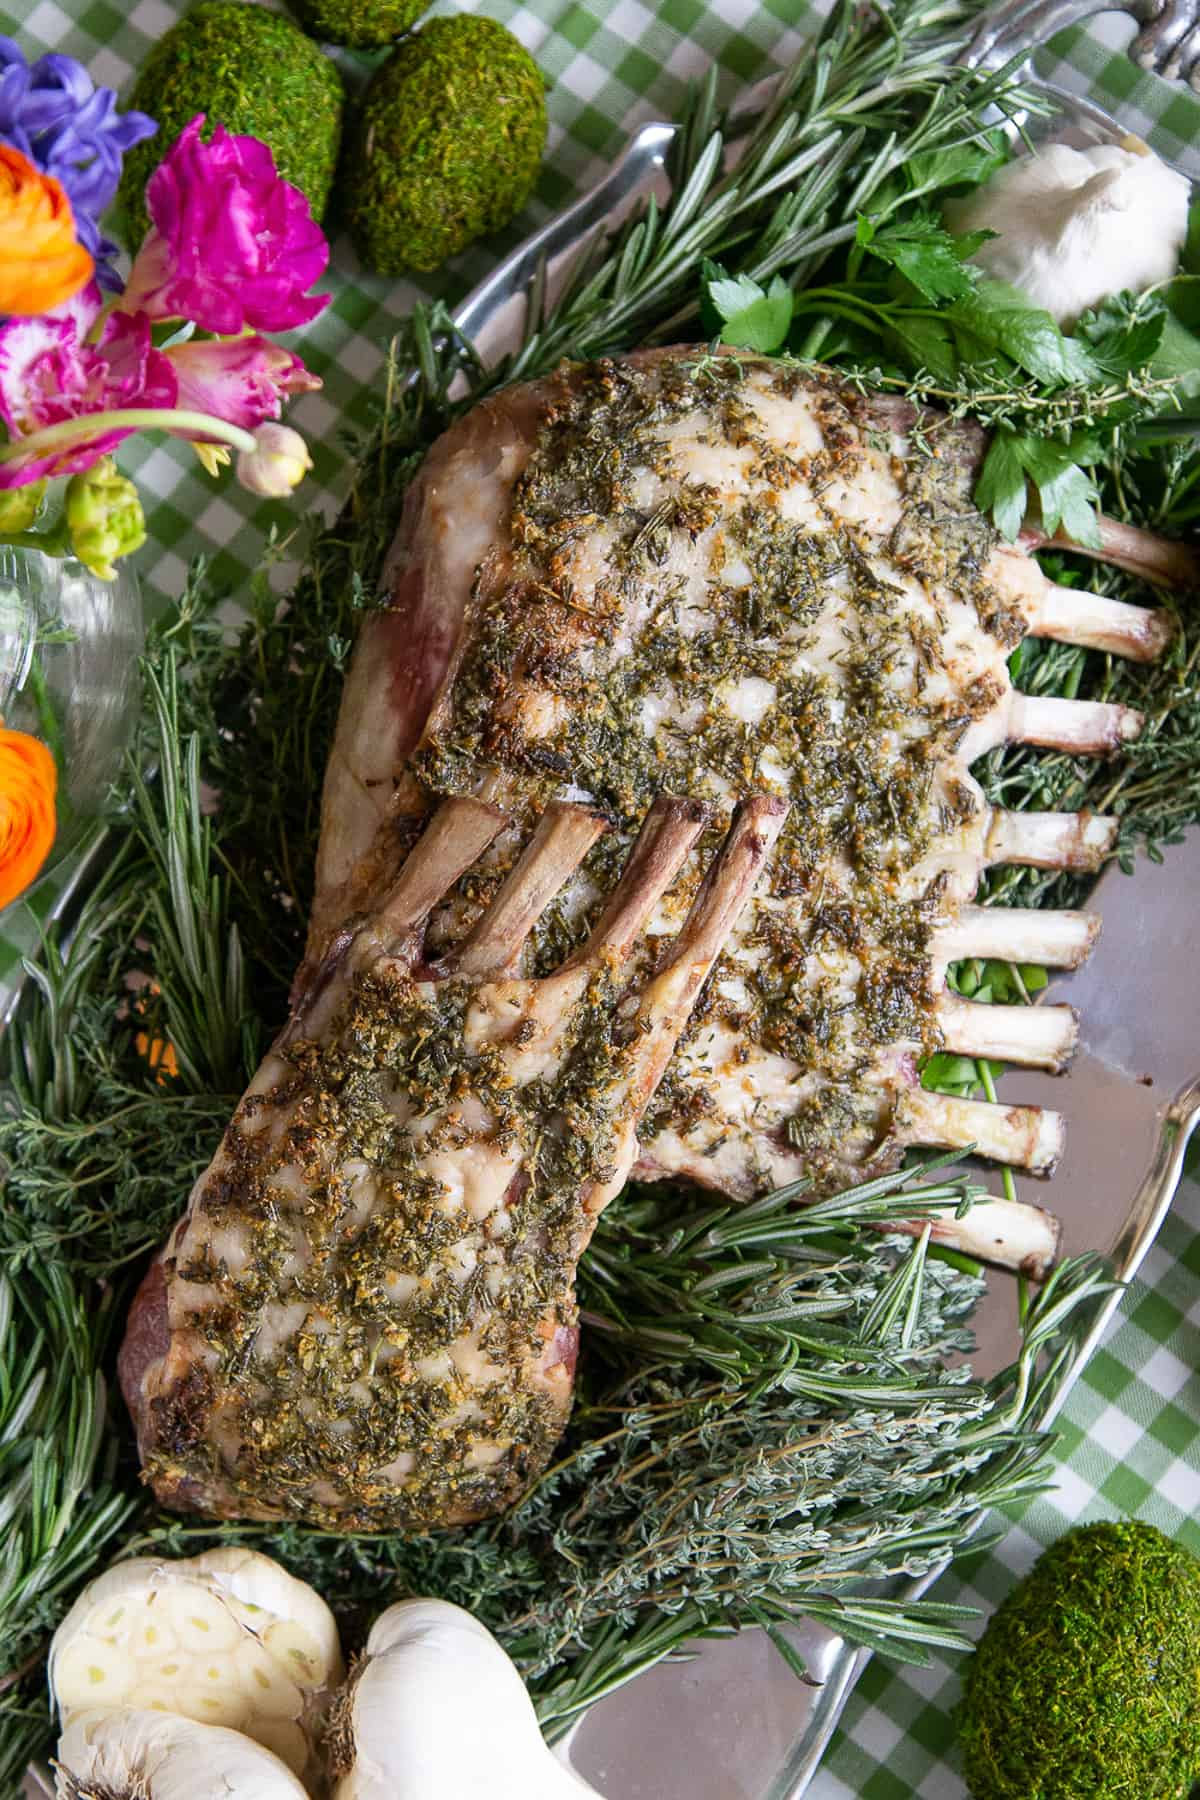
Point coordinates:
pixel 227 1639
pixel 133 1754
pixel 1075 226
pixel 437 1711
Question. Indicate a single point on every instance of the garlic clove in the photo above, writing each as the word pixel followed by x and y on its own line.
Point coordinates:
pixel 134 1754
pixel 93 1672
pixel 228 1639
pixel 436 1707
pixel 295 1649
pixel 272 1693
pixel 203 1623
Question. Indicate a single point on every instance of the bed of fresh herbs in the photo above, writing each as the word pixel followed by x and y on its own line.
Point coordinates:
pixel 766 1411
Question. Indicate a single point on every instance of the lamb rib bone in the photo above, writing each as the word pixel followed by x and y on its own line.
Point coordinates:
pixel 1044 840
pixel 1141 553
pixel 1038 1037
pixel 1029 1137
pixel 302 1373
pixel 1074 616
pixel 1062 939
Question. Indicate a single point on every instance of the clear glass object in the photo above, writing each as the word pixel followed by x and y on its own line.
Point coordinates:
pixel 69 645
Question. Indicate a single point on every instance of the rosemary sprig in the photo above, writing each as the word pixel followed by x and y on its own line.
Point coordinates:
pixel 878 89
pixel 59 1511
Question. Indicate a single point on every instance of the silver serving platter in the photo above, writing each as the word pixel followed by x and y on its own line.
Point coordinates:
pixel 731 1722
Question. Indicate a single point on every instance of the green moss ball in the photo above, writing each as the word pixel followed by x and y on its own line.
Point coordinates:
pixel 445 146
pixel 1086 1683
pixel 251 71
pixel 362 24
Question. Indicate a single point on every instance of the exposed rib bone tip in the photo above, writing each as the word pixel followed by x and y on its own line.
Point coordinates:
pixel 1157 559
pixel 668 832
pixel 1009 1233
pixel 1045 840
pixel 458 832
pixel 1081 727
pixel 564 835
pixel 1094 622
pixel 1062 938
pixel 1035 1037
pixel 1077 616
pixel 667 1001
pixel 1027 1137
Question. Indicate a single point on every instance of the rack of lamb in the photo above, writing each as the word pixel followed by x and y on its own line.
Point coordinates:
pixel 647 837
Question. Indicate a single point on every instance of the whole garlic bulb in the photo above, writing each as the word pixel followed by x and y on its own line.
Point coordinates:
pixel 130 1754
pixel 436 1708
pixel 1074 226
pixel 228 1639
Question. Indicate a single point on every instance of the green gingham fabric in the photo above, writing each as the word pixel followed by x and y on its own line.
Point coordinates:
pixel 1130 1436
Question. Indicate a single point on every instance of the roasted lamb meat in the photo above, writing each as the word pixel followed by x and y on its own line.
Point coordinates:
pixel 723 579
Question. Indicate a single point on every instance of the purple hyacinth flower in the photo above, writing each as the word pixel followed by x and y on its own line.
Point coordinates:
pixel 52 112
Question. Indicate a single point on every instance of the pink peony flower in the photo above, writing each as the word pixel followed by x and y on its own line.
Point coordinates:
pixel 243 380
pixel 232 245
pixel 49 373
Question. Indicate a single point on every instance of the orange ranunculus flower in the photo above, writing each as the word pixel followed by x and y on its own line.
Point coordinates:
pixel 28 782
pixel 42 262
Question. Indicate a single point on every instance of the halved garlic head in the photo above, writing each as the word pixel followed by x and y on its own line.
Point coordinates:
pixel 137 1754
pixel 227 1638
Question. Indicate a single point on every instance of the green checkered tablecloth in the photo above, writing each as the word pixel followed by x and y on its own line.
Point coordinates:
pixel 1130 1437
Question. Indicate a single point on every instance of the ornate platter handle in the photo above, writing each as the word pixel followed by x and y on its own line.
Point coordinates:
pixel 1168 44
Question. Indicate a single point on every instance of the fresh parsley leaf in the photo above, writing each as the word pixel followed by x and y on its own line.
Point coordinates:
pixel 1066 492
pixel 943 1073
pixel 924 252
pixel 741 312
pixel 957 165
pixel 1178 356
pixel 926 344
pixel 732 294
pixel 934 172
pixel 997 316
pixel 764 324
pixel 1001 487
pixel 1123 332
pixel 1183 294
pixel 999 983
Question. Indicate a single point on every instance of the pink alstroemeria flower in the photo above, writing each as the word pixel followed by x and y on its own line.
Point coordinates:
pixel 243 380
pixel 232 244
pixel 49 374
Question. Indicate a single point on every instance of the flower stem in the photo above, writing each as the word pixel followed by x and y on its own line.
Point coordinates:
pixel 131 418
pixel 48 720
pixel 54 542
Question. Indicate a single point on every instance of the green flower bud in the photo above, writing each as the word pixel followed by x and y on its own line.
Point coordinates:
pixel 104 517
pixel 19 507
